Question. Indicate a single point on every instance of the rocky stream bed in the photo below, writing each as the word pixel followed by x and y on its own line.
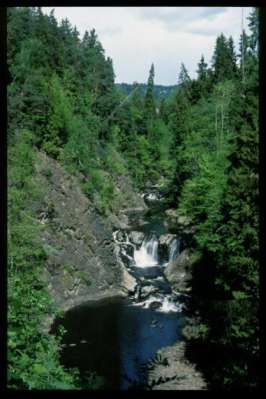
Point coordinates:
pixel 122 283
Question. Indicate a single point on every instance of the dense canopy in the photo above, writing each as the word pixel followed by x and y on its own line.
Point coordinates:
pixel 200 142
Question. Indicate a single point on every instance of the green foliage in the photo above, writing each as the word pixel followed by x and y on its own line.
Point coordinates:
pixel 59 118
pixel 224 59
pixel 33 357
pixel 149 103
pixel 220 194
pixel 201 141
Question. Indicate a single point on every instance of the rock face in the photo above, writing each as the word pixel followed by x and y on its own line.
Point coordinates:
pixel 166 239
pixel 81 264
pixel 129 282
pixel 136 237
pixel 171 371
pixel 178 272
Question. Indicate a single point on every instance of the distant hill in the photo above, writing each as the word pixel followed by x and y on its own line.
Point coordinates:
pixel 160 91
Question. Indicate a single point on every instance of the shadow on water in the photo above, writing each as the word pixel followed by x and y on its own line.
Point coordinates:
pixel 115 340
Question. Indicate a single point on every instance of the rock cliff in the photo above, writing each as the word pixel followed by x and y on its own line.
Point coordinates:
pixel 81 264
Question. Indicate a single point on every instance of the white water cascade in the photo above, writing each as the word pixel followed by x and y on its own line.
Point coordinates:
pixel 167 304
pixel 152 197
pixel 147 254
pixel 174 249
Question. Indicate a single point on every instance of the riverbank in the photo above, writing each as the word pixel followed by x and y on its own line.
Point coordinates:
pixel 173 371
pixel 87 266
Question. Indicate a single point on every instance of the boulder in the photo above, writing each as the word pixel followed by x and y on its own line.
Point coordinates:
pixel 166 239
pixel 147 290
pixel 178 272
pixel 136 237
pixel 171 214
pixel 129 282
pixel 184 221
pixel 120 222
pixel 164 245
pixel 155 305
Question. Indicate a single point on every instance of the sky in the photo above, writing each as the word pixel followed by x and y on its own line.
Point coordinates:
pixel 136 37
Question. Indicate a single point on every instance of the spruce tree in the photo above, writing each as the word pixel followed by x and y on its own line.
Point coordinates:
pixel 224 59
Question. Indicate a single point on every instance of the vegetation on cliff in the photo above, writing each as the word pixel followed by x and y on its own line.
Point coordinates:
pixel 201 142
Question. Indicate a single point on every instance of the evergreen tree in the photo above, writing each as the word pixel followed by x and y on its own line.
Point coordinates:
pixel 224 62
pixel 243 53
pixel 149 103
pixel 204 81
pixel 202 69
pixel 222 199
pixel 254 27
pixel 203 144
pixel 136 105
pixel 184 79
pixel 232 57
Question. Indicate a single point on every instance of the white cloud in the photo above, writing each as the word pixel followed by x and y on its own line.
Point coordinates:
pixel 134 37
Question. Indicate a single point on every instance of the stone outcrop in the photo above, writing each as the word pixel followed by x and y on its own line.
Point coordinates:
pixel 81 264
pixel 178 272
pixel 171 214
pixel 136 237
pixel 129 282
pixel 171 371
pixel 166 239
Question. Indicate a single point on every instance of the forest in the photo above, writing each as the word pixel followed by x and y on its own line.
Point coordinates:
pixel 200 142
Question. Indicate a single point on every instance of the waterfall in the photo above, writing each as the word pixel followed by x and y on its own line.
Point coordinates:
pixel 147 258
pixel 174 249
pixel 147 255
pixel 152 197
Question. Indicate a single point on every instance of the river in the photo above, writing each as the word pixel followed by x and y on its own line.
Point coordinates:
pixel 119 337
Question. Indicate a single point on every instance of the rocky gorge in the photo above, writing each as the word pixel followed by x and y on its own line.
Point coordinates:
pixel 139 257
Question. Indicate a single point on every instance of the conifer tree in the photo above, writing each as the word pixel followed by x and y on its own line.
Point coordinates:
pixel 202 68
pixel 232 57
pixel 149 103
pixel 224 62
pixel 254 27
pixel 203 81
pixel 183 78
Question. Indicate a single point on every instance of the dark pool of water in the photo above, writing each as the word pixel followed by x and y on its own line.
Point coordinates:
pixel 119 337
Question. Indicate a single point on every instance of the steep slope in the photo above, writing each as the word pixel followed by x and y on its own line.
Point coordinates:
pixel 81 264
